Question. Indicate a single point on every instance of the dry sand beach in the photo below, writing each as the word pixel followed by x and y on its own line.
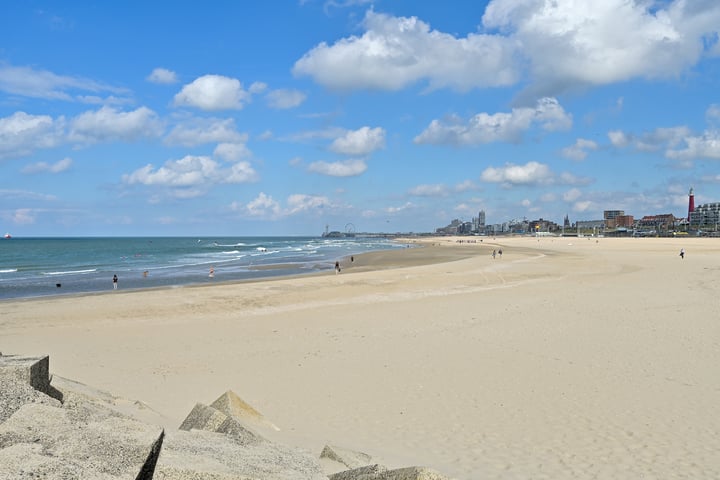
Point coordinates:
pixel 564 359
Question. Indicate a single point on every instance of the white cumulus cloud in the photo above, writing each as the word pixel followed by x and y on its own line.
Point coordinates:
pixel 529 174
pixel 163 76
pixel 554 46
pixel 191 171
pixel 347 168
pixel 22 133
pixel 232 152
pixel 198 131
pixel 571 43
pixel 213 92
pixel 672 140
pixel 359 142
pixel 263 205
pixel 298 203
pixel 706 145
pixel 395 52
pixel 484 128
pixel 108 124
pixel 532 173
pixel 579 150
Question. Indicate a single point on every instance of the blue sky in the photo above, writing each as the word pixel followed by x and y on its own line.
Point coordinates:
pixel 278 118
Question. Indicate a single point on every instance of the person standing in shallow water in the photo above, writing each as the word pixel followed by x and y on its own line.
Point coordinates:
pixel 115 280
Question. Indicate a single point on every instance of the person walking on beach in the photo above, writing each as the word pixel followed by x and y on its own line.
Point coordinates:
pixel 682 253
pixel 337 268
pixel 500 252
pixel 115 280
pixel 494 253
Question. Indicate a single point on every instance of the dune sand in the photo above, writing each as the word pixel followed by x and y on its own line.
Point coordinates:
pixel 564 359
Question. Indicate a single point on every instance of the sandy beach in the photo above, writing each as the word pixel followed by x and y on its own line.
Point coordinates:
pixel 564 358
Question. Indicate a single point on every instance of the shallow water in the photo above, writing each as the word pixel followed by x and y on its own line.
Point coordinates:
pixel 32 267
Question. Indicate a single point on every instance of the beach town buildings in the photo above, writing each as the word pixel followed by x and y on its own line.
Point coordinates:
pixel 706 216
pixel 611 215
pixel 662 224
pixel 701 220
pixel 456 227
pixel 541 225
pixel 618 219
pixel 590 227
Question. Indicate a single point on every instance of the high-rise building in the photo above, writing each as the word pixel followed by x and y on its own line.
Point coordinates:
pixel 481 219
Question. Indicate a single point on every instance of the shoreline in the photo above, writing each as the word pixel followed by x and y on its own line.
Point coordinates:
pixel 365 261
pixel 567 357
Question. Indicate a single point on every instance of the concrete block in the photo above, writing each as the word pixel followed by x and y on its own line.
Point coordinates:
pixel 368 472
pixel 243 435
pixel 379 472
pixel 349 458
pixel 413 473
pixel 233 406
pixel 34 371
pixel 203 417
pixel 147 471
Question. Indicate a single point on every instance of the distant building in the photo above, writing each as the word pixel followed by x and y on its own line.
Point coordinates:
pixel 478 223
pixel 456 227
pixel 540 225
pixel 618 219
pixel 657 224
pixel 705 216
pixel 625 221
pixel 611 216
pixel 588 226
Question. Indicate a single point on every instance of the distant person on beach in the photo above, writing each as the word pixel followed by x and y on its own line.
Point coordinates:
pixel 337 268
pixel 352 259
pixel 494 253
pixel 212 272
pixel 682 253
pixel 115 280
pixel 500 252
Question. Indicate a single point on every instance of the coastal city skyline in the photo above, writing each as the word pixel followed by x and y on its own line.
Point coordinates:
pixel 701 220
pixel 254 118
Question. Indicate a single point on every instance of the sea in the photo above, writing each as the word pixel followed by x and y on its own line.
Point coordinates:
pixel 41 267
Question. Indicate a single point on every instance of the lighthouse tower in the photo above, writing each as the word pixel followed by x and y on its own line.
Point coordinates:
pixel 691 203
